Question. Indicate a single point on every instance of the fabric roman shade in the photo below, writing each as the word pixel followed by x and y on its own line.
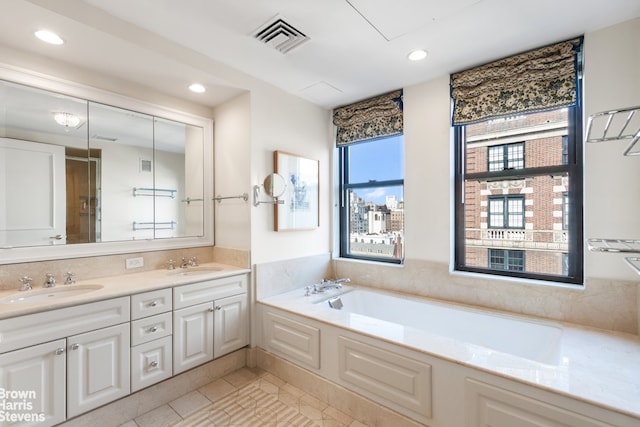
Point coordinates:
pixel 537 80
pixel 372 118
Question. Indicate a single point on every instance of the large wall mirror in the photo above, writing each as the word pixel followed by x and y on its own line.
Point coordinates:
pixel 74 171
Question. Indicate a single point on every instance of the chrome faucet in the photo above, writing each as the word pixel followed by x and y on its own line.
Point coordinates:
pixel 26 283
pixel 193 261
pixel 50 282
pixel 184 263
pixel 329 284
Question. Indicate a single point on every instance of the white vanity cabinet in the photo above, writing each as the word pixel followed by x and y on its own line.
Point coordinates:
pixel 210 319
pixel 151 338
pixel 66 361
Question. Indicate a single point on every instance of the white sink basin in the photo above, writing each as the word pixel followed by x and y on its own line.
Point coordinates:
pixel 192 271
pixel 48 294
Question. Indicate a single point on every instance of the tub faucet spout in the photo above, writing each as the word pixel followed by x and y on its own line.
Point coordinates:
pixel 329 284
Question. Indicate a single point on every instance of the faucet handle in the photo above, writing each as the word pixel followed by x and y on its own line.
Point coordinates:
pixel 172 264
pixel 26 283
pixel 193 261
pixel 50 281
pixel 70 280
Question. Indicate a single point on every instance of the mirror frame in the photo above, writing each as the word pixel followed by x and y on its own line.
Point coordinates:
pixel 81 250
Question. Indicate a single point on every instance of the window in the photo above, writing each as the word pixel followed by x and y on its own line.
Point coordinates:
pixel 518 165
pixel 508 156
pixel 503 259
pixel 506 211
pixel 372 200
pixel 525 207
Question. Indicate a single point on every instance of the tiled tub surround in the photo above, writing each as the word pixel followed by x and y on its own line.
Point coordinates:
pixel 590 366
pixel 606 304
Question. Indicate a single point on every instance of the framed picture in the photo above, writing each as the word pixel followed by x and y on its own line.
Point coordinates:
pixel 301 196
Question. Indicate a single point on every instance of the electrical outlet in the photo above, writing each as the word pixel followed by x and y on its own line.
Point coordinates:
pixel 134 262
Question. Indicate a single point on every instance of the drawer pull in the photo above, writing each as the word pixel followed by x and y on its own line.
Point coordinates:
pixel 59 351
pixel 153 364
pixel 152 329
pixel 153 303
pixel 75 346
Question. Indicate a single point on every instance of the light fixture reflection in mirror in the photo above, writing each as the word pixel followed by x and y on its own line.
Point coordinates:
pixel 274 185
pixel 66 119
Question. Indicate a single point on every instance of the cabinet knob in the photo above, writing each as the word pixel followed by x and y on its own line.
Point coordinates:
pixel 59 351
pixel 153 329
pixel 218 307
pixel 75 346
pixel 153 364
pixel 153 303
pixel 210 309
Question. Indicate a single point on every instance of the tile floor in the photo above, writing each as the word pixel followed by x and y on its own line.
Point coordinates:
pixel 246 398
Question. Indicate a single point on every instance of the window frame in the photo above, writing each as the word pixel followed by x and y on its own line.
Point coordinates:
pixel 574 170
pixel 344 209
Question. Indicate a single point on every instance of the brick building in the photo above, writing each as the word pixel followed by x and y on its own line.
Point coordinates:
pixel 514 222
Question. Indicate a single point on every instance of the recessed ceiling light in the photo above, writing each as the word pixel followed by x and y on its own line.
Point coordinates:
pixel 197 88
pixel 49 37
pixel 417 55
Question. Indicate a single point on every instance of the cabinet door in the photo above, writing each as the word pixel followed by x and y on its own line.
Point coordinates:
pixel 192 336
pixel 151 362
pixel 36 377
pixel 98 368
pixel 230 324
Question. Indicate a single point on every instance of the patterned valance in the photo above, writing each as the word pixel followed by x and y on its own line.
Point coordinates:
pixel 372 118
pixel 532 81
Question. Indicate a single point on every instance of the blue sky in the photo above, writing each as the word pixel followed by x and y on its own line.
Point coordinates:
pixel 378 160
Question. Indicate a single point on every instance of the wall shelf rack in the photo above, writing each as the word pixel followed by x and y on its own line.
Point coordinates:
pixel 615 125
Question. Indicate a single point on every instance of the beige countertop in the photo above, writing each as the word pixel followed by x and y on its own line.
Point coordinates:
pixel 110 287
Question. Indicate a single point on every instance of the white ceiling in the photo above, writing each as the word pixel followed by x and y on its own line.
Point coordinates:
pixel 356 48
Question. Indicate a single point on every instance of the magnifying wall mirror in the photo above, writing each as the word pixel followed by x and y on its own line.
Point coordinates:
pixel 274 185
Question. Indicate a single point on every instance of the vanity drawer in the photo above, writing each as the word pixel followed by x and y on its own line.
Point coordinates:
pixel 150 303
pixel 31 329
pixel 151 328
pixel 208 290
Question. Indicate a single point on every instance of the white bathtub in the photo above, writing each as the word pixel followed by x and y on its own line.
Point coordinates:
pixel 521 337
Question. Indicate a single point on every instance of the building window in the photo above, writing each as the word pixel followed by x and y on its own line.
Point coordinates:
pixel 504 259
pixel 506 211
pixel 372 199
pixel 507 156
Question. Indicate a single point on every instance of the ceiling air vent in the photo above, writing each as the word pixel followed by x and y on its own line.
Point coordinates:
pixel 280 35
